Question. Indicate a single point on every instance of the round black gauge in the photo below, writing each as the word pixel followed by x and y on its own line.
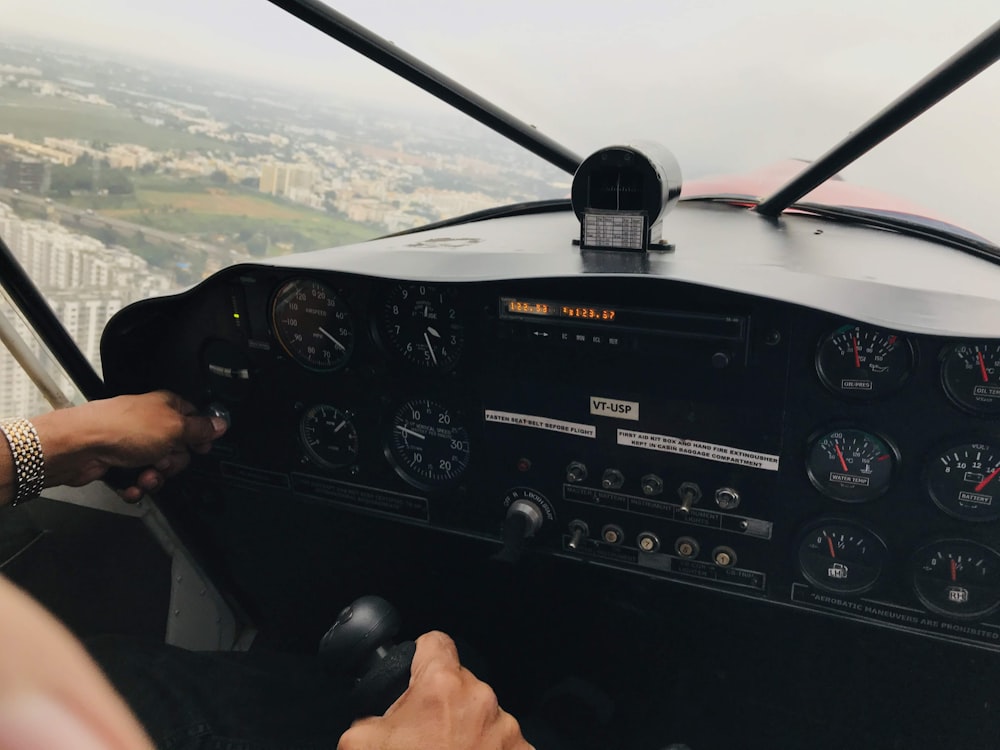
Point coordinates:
pixel 957 578
pixel 427 444
pixel 851 465
pixel 863 363
pixel 964 482
pixel 841 557
pixel 422 324
pixel 329 436
pixel 970 374
pixel 313 324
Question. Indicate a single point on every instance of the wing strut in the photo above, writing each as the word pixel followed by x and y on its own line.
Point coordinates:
pixel 405 65
pixel 967 63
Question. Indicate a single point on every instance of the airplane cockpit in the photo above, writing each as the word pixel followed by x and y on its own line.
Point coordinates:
pixel 724 451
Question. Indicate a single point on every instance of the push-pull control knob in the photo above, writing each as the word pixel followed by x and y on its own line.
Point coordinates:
pixel 524 519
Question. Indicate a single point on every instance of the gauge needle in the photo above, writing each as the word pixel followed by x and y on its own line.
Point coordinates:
pixel 840 455
pixel 829 541
pixel 989 478
pixel 407 431
pixel 430 348
pixel 335 342
pixel 340 426
pixel 954 570
pixel 857 357
pixel 982 367
pixel 433 332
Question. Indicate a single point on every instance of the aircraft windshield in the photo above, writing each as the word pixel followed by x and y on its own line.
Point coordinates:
pixel 145 145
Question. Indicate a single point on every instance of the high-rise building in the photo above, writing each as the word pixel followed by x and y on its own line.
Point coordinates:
pixel 287 179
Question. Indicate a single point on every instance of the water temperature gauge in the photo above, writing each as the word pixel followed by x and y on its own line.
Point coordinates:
pixel 957 578
pixel 851 465
pixel 841 557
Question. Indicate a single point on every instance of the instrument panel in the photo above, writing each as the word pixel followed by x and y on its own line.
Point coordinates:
pixel 712 438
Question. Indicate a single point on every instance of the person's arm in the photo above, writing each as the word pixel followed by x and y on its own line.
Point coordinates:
pixel 445 708
pixel 156 430
pixel 52 695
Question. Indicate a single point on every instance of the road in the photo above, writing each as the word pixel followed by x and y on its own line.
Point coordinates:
pixel 90 218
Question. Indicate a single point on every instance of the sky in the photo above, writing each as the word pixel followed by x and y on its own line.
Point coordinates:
pixel 727 85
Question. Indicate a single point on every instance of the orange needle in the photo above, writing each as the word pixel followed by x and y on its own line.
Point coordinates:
pixel 841 457
pixel 830 542
pixel 857 359
pixel 982 367
pixel 992 475
pixel 954 568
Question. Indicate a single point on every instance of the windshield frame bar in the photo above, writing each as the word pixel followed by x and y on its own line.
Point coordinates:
pixel 383 52
pixel 27 298
pixel 957 70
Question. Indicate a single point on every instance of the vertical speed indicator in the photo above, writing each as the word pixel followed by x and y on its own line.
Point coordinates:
pixel 864 363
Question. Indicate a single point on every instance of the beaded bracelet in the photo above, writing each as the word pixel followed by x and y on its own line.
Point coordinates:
pixel 29 461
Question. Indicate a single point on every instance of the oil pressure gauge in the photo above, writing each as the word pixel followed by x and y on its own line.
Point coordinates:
pixel 957 578
pixel 861 362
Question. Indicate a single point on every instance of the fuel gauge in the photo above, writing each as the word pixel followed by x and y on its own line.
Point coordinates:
pixel 841 557
pixel 957 578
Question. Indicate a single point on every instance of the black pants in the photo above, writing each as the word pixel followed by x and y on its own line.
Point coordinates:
pixel 225 701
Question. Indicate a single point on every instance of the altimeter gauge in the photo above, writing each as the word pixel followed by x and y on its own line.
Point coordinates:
pixel 422 324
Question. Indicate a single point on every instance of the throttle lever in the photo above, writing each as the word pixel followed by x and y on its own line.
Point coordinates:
pixel 121 478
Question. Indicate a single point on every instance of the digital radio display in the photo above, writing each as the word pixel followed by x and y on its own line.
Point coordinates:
pixel 517 307
pixel 664 322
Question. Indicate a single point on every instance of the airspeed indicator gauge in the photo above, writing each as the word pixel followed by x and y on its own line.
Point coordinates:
pixel 860 362
pixel 313 324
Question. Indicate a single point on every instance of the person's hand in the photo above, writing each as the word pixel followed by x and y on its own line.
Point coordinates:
pixel 52 696
pixel 444 708
pixel 156 430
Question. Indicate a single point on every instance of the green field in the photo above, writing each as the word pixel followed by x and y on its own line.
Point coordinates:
pixel 35 117
pixel 236 214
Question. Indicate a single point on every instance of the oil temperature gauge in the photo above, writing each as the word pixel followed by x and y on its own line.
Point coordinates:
pixel 957 578
pixel 964 482
pixel 970 374
pixel 851 465
pixel 841 557
pixel 864 363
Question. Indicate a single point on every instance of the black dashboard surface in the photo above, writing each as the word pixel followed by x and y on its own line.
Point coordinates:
pixel 612 408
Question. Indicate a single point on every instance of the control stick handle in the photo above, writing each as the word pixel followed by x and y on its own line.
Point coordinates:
pixel 359 648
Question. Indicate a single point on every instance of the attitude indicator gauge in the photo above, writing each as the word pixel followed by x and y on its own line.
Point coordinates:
pixel 841 557
pixel 313 324
pixel 329 436
pixel 964 482
pixel 422 324
pixel 970 375
pixel 863 363
pixel 957 578
pixel 851 465
pixel 427 444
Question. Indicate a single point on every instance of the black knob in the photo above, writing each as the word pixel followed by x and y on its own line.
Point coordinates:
pixel 363 629
pixel 359 648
